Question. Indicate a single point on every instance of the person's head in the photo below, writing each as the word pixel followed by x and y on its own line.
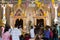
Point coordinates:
pixel 51 29
pixel 56 25
pixel 47 27
pixel 7 27
pixel 31 27
pixel 26 35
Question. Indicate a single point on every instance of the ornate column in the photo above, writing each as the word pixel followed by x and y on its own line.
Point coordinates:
pixel 55 7
pixel 4 18
pixel 48 18
pixel 11 16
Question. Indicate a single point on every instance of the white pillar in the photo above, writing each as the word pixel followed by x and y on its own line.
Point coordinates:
pixel 48 19
pixel 4 18
pixel 55 20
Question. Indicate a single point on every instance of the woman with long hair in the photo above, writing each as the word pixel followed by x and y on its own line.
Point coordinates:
pixel 6 33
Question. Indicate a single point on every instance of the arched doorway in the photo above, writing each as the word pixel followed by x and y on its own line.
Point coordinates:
pixel 19 23
pixel 40 22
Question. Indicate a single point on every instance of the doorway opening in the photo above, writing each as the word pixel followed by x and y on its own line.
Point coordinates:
pixel 19 23
pixel 40 22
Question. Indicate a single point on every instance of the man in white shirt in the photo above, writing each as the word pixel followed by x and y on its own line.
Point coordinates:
pixel 32 32
pixel 16 33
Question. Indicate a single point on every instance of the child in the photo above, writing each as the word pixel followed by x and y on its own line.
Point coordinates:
pixel 16 33
pixel 46 33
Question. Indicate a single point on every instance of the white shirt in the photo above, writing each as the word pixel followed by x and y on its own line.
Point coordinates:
pixel 15 34
pixel 32 33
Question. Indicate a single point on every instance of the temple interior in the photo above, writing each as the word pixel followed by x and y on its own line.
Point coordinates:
pixel 29 12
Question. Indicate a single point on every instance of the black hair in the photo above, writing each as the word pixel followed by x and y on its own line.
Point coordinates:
pixel 47 27
pixel 31 27
pixel 7 27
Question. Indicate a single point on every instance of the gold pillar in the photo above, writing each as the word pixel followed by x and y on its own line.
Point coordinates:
pixel 53 1
pixel 1 14
pixel 8 11
pixel 19 2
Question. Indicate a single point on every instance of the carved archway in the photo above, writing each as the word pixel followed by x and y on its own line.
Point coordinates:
pixel 18 12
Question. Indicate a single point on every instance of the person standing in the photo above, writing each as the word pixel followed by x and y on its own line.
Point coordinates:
pixel 6 33
pixel 46 33
pixel 15 33
pixel 32 32
pixel 37 30
pixel 27 36
pixel 55 32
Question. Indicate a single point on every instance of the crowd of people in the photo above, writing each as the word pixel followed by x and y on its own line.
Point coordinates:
pixel 35 33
